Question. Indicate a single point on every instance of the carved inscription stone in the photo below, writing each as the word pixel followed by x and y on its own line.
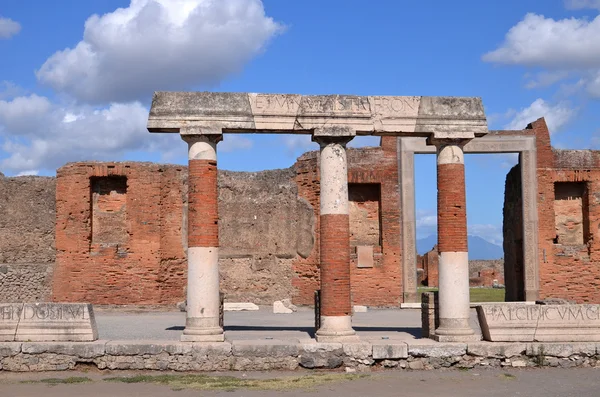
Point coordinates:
pixel 9 318
pixel 41 322
pixel 542 323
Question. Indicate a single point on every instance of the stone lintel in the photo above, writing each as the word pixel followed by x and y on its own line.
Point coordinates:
pixel 289 113
pixel 491 143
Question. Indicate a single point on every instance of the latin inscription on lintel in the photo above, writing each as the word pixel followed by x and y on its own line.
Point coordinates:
pixel 290 104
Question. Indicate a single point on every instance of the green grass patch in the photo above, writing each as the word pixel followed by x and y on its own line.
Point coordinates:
pixel 477 294
pixel 61 381
pixel 230 383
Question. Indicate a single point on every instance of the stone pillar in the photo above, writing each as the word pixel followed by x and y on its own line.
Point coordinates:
pixel 336 309
pixel 453 265
pixel 406 184
pixel 202 321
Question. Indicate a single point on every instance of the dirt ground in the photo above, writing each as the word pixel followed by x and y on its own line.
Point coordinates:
pixel 547 382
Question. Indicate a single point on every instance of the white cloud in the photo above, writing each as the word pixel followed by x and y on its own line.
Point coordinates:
pixel 8 28
pixel 582 4
pixel 426 220
pixel 545 79
pixel 28 172
pixel 159 45
pixel 39 135
pixel 556 115
pixel 9 90
pixel 562 49
pixel 25 114
pixel 545 42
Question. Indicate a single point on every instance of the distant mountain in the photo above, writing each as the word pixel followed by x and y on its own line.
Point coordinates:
pixel 478 247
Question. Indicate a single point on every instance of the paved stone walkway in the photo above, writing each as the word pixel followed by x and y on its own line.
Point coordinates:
pixel 393 324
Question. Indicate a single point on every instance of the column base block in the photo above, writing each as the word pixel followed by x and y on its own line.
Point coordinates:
pixel 337 338
pixel 203 338
pixel 457 338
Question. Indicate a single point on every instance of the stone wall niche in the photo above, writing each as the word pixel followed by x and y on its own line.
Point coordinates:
pixel 109 212
pixel 571 213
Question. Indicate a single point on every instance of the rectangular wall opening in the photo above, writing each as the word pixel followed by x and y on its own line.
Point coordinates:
pixel 365 222
pixel 570 213
pixel 108 211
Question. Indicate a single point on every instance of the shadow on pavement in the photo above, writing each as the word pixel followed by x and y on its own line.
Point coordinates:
pixel 416 332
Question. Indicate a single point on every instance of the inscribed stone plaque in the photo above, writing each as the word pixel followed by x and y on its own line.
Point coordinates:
pixel 9 318
pixel 542 323
pixel 41 322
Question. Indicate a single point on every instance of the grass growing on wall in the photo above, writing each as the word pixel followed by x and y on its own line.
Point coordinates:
pixel 477 294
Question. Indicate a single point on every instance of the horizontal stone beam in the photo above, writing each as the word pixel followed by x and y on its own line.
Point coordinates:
pixel 446 117
pixel 491 143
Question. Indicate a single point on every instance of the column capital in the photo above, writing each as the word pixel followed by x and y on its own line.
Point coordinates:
pixel 333 134
pixel 201 134
pixel 440 142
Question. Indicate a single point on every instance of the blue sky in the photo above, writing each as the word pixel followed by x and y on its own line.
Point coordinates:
pixel 76 77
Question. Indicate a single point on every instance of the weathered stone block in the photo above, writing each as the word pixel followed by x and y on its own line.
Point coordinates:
pixel 360 351
pixel 437 349
pixel 212 349
pixel 49 322
pixel 83 349
pixel 8 349
pixel 496 350
pixel 264 349
pixel 390 351
pixel 321 355
pixel 134 348
pixel 561 349
pixel 279 308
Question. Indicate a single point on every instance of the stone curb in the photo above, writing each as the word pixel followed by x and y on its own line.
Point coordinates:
pixel 274 354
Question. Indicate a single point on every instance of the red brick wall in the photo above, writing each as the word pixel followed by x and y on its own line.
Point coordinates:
pixel 145 267
pixel 570 271
pixel 380 285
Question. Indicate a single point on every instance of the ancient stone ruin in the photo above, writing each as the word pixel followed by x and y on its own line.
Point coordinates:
pixel 341 220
